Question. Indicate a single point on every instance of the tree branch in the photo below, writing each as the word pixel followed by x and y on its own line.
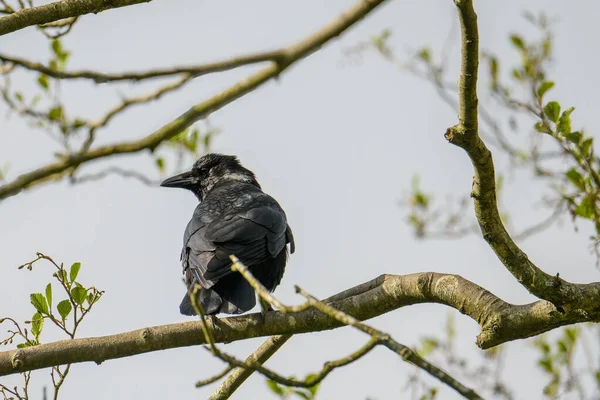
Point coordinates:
pixel 565 295
pixel 195 71
pixel 58 10
pixel 201 110
pixel 377 338
pixel 272 345
pixel 500 322
pixel 239 374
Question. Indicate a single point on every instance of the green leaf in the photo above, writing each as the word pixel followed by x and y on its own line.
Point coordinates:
pixel 571 334
pixel 543 128
pixel 64 308
pixel 78 123
pixel 586 208
pixel 551 389
pixel 19 97
pixel 544 87
pixel 518 42
pixel 57 46
pixel 586 147
pixel 494 71
pixel 517 74
pixel 576 179
pixel 43 81
pixel 62 274
pixel 546 364
pixel 562 346
pixel 55 113
pixel 160 163
pixel 39 302
pixel 574 137
pixel 314 388
pixel 302 393
pixel 74 271
pixel 37 324
pixel 564 123
pixel 275 388
pixel 428 345
pixel 420 200
pixel 424 54
pixel 79 294
pixel 49 295
pixel 552 111
pixel 23 345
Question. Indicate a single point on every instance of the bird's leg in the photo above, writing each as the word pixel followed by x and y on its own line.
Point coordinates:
pixel 265 307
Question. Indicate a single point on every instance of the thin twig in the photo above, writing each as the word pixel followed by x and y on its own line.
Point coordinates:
pixel 214 378
pixel 272 345
pixel 194 70
pixel 115 171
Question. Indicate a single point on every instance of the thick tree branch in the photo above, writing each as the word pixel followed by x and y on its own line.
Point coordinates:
pixel 58 10
pixel 500 322
pixel 194 71
pixel 566 296
pixel 201 110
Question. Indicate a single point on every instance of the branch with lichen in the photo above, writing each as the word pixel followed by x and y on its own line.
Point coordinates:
pixel 292 54
pixel 564 295
pixel 56 11
pixel 500 322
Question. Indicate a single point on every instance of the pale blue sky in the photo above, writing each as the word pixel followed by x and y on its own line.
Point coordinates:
pixel 336 144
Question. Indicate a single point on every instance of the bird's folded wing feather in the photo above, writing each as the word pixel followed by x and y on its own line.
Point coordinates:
pixel 253 236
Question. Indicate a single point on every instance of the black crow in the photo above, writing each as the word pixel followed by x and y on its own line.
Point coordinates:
pixel 234 217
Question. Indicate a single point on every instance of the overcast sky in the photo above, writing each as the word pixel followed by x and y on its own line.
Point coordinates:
pixel 336 143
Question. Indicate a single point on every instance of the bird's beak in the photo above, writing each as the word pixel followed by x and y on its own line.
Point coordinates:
pixel 184 180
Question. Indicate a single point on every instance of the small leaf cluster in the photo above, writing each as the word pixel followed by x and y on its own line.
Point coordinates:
pixel 284 392
pixel 191 141
pixel 556 359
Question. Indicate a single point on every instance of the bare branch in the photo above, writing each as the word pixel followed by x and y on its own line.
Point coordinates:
pixel 377 338
pixel 195 71
pixel 272 345
pixel 240 374
pixel 500 322
pixel 565 295
pixel 201 110
pixel 214 378
pixel 58 10
pixel 115 171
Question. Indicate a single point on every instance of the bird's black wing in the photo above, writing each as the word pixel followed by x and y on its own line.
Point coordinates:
pixel 254 236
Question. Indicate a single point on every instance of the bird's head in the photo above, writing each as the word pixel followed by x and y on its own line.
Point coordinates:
pixel 209 171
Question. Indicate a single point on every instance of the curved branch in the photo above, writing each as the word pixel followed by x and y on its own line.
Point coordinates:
pixel 565 295
pixel 201 110
pixel 500 322
pixel 58 10
pixel 195 70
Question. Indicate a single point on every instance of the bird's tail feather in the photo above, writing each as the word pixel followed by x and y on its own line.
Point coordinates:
pixel 212 303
